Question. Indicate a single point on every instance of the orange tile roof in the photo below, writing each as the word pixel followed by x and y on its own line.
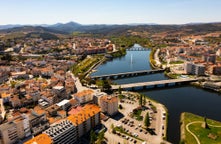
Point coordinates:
pixel 40 139
pixel 83 114
pixel 5 95
pixel 38 110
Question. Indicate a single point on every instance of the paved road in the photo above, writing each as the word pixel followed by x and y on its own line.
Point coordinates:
pixel 77 83
pixel 156 57
pixel 152 83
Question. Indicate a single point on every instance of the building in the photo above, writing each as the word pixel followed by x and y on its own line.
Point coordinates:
pixel 84 96
pixel 209 58
pixel 8 133
pixel 63 132
pixel 217 70
pixel 65 104
pixel 85 118
pixel 199 69
pixel 38 121
pixel 109 104
pixel 59 91
pixel 40 139
pixel 2 111
pixel 97 97
pixel 14 130
pixel 194 69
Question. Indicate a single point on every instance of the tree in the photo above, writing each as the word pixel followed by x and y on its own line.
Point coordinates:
pixel 144 100
pixel 140 100
pixel 147 120
pixel 119 90
pixel 92 137
pixel 100 137
pixel 106 85
pixel 120 106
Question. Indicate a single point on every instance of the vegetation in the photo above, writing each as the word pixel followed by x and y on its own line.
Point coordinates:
pixel 104 85
pixel 142 100
pixel 151 57
pixel 82 67
pixel 147 120
pixel 120 90
pixel 137 114
pixel 129 41
pixel 121 96
pixel 121 130
pixel 177 62
pixel 120 106
pixel 205 136
pixel 119 53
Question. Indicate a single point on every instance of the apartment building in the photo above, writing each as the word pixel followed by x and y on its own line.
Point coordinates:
pixel 63 132
pixel 84 96
pixel 40 139
pixel 2 111
pixel 38 121
pixel 85 118
pixel 109 104
pixel 14 130
pixel 194 69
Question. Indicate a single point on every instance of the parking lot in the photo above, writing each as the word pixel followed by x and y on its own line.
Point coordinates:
pixel 134 130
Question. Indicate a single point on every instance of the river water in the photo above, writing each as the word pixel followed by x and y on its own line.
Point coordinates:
pixel 176 99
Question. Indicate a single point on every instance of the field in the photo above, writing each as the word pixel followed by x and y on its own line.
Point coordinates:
pixel 193 131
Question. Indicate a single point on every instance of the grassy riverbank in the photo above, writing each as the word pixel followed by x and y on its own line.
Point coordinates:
pixel 192 130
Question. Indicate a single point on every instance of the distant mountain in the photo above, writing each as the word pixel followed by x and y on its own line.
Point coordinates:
pixel 28 29
pixel 9 26
pixel 137 24
pixel 104 29
pixel 67 27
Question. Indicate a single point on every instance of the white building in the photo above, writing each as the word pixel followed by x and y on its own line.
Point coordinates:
pixel 194 69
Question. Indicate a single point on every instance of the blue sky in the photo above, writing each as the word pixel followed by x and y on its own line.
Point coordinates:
pixel 109 11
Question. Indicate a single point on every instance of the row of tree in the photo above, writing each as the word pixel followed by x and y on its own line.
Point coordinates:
pixel 142 100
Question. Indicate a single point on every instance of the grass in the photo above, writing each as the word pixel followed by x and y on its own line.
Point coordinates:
pixel 199 131
pixel 177 62
pixel 121 130
pixel 137 115
pixel 85 65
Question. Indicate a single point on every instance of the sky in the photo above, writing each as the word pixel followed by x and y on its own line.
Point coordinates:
pixel 109 11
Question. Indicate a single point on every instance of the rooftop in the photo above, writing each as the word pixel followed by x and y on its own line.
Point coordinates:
pixel 84 92
pixel 83 114
pixel 40 139
pixel 109 99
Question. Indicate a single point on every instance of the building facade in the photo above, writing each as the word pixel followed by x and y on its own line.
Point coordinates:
pixel 109 104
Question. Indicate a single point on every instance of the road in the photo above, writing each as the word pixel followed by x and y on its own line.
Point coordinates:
pixel 156 57
pixel 153 83
pixel 77 83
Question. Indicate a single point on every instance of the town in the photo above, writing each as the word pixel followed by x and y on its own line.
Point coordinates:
pixel 48 96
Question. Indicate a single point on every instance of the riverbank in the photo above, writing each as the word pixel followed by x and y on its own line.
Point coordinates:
pixel 157 112
pixel 194 131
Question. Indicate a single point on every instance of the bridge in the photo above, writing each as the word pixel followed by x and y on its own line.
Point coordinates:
pixel 137 49
pixel 154 84
pixel 127 74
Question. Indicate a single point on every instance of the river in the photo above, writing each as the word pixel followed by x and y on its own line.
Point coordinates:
pixel 176 99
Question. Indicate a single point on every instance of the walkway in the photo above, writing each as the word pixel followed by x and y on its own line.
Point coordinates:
pixel 187 128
